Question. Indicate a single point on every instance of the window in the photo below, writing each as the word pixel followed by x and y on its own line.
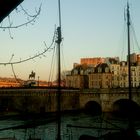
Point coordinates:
pixel 106 69
pixel 99 70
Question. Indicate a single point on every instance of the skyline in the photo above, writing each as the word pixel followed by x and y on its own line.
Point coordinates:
pixel 89 29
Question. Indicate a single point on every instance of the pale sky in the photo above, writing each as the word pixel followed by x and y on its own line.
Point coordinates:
pixel 90 28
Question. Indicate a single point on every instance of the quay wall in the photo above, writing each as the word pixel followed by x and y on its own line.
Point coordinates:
pixel 37 100
pixel 45 100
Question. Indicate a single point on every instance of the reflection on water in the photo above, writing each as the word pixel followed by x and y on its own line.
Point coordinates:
pixel 73 125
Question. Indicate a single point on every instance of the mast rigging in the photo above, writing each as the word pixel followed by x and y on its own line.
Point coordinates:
pixel 129 61
pixel 58 41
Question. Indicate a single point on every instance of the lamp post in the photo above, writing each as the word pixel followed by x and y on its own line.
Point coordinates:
pixel 38 81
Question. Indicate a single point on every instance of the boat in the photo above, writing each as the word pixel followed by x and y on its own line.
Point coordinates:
pixel 130 133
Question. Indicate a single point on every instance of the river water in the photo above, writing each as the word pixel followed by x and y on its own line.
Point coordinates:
pixel 72 126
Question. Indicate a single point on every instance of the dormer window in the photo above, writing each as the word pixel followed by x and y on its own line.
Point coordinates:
pixel 93 70
pixel 75 72
pixel 106 69
pixel 81 72
pixel 99 70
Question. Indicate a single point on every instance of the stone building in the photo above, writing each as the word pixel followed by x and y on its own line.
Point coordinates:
pixel 135 74
pixel 92 61
pixel 123 77
pixel 115 70
pixel 110 73
pixel 77 81
pixel 101 77
pixel 78 77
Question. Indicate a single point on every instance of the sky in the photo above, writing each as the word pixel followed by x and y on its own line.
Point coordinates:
pixel 90 28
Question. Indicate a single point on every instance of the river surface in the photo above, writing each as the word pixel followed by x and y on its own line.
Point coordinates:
pixel 72 126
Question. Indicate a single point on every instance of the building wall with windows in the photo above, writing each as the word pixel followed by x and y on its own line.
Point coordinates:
pixel 77 81
pixel 112 74
pixel 101 77
pixel 115 70
pixel 123 77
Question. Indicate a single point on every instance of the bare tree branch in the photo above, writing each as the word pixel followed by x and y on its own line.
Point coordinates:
pixel 11 26
pixel 33 57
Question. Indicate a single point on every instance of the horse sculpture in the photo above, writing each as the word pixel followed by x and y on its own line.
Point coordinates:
pixel 32 75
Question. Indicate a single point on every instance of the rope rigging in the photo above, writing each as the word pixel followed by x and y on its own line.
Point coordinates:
pixel 135 38
pixel 52 66
pixel 134 42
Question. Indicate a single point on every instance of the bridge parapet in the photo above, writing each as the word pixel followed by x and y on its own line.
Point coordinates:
pixel 70 99
pixel 36 92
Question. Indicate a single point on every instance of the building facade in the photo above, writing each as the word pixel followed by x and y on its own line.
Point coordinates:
pixel 78 77
pixel 109 73
pixel 101 77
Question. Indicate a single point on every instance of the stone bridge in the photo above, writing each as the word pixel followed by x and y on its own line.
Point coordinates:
pixel 106 98
pixel 45 100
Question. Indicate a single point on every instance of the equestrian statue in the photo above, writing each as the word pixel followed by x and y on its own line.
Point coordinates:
pixel 32 75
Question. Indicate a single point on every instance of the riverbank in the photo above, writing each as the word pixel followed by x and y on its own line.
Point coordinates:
pixel 73 125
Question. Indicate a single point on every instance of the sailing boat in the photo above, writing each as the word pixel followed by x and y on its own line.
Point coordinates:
pixel 129 133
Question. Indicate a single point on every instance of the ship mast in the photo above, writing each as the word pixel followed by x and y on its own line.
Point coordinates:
pixel 129 60
pixel 131 128
pixel 58 41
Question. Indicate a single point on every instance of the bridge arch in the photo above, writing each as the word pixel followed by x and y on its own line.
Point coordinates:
pixel 93 107
pixel 126 108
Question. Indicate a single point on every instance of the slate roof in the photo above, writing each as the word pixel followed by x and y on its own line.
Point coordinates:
pixel 113 61
pixel 103 67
